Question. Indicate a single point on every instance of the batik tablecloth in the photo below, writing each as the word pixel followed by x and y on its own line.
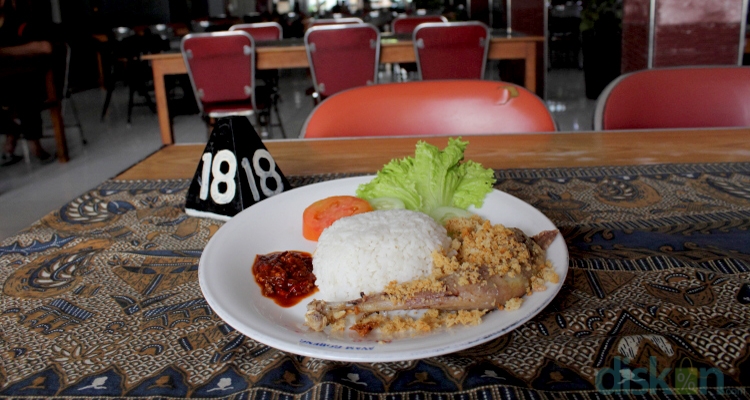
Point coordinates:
pixel 101 298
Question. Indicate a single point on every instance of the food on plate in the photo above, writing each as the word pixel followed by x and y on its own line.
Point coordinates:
pixel 433 181
pixel 364 252
pixel 408 242
pixel 485 267
pixel 387 203
pixel 286 277
pixel 321 214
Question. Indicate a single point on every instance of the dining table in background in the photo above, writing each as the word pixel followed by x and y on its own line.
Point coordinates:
pixel 100 298
pixel 102 40
pixel 290 53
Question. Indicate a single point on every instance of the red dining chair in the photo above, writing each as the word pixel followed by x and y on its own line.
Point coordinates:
pixel 221 67
pixel 266 32
pixel 260 31
pixel 342 57
pixel 453 50
pixel 693 97
pixel 440 107
pixel 405 25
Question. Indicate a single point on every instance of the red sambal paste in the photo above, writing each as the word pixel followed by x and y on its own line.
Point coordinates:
pixel 286 277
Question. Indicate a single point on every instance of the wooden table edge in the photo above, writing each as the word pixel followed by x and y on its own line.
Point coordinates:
pixel 544 150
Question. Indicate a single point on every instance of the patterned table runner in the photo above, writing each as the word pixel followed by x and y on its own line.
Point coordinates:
pixel 101 298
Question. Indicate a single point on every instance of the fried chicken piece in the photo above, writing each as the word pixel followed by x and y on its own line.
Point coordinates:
pixel 489 292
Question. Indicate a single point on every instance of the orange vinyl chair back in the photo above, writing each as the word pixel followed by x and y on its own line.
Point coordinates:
pixel 260 31
pixel 403 25
pixel 448 107
pixel 342 56
pixel 221 67
pixel 695 97
pixel 455 50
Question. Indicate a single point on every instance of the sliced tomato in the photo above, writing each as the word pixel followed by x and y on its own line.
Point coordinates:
pixel 323 213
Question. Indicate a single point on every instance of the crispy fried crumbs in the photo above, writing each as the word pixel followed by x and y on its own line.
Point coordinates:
pixel 537 284
pixel 477 243
pixel 398 293
pixel 548 273
pixel 429 321
pixel 339 325
pixel 363 328
pixel 513 304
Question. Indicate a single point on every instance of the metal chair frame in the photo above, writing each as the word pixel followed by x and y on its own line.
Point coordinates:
pixel 67 95
pixel 131 62
pixel 187 55
pixel 250 52
pixel 310 48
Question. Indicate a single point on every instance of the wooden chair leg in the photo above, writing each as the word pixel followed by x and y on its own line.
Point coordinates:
pixel 61 146
pixel 130 102
pixel 275 105
pixel 107 100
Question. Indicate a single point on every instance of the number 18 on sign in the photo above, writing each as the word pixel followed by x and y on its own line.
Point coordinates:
pixel 235 171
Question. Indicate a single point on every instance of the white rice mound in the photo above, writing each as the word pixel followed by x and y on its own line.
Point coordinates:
pixel 364 252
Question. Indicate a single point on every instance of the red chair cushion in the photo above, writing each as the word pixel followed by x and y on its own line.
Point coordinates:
pixel 680 98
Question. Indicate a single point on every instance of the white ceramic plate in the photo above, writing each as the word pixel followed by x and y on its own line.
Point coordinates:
pixel 275 224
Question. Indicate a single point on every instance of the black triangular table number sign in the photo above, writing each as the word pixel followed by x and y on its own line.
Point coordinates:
pixel 235 171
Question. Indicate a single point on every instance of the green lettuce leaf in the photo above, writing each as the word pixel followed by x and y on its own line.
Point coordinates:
pixel 475 183
pixel 431 179
pixel 393 181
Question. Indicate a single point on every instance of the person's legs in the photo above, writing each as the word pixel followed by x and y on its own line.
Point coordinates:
pixel 31 127
pixel 11 131
pixel 23 102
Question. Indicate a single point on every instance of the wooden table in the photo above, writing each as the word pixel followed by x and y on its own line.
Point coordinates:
pixel 102 297
pixel 294 56
pixel 321 156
